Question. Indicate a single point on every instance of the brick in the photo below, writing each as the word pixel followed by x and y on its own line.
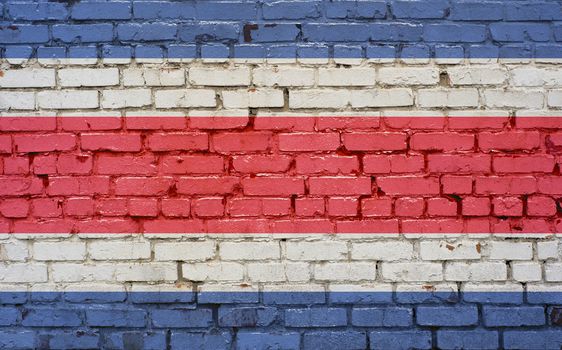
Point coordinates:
pixel 163 318
pixel 339 186
pixel 475 206
pixel 68 99
pixel 541 206
pixel 272 186
pixel 74 164
pixel 16 166
pixel 91 10
pixel 346 77
pixel 447 142
pixel 44 143
pixel 382 317
pixel 318 98
pixel 140 186
pixel 477 76
pixel 526 272
pixel 409 207
pixel 184 251
pixel 184 98
pixel 208 207
pixel 412 272
pixel 520 164
pixel 549 185
pixel 252 98
pixel 446 316
pixel 195 164
pixel 83 77
pixel 126 165
pixel 448 163
pixel 219 77
pixel 320 317
pixel 383 164
pixel 342 206
pixel 59 251
pixel 441 207
pixel 261 163
pixel 216 271
pixel 467 339
pixel 79 207
pixel 309 206
pixel 374 142
pixel 511 251
pixel 143 207
pixel 111 142
pixel 85 33
pixel 28 78
pixel 51 318
pixel 397 97
pixel 207 185
pixel 441 250
pixel 283 76
pixel 408 76
pixel 83 123
pixel 478 272
pixel 376 207
pixel 508 141
pixel 403 339
pixel 216 122
pixel 508 206
pixel 178 142
pixel 513 185
pixel 339 339
pixel 237 142
pixel 454 98
pixel 408 185
pixel 309 142
pixel 252 340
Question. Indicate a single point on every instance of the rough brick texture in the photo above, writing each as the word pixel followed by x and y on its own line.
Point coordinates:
pixel 288 29
pixel 258 172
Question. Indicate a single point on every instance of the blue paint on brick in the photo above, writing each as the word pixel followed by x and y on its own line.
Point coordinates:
pixel 249 51
pixel 336 340
pixel 313 51
pixel 51 317
pixel 112 317
pixel 127 340
pixel 447 315
pixel 476 11
pixel 317 317
pixel 420 9
pixel 72 340
pixel 182 51
pixel 148 51
pixel 83 33
pixel 100 10
pixel 415 51
pixel 455 33
pixel 23 52
pixel 196 33
pixel 178 318
pixel 532 11
pixel 51 52
pixel 382 340
pixel 146 32
pixel 201 341
pixel 519 32
pixel 513 317
pixel 291 9
pixel 226 10
pixel 281 51
pixel 543 339
pixel 443 51
pixel 23 34
pixel 473 339
pixel 344 9
pixel 246 316
pixel 17 339
pixel 347 51
pixel 262 341
pixel 382 317
pixel 164 10
pixel 295 320
pixel 275 33
pixel 9 316
pixel 381 51
pixel 37 11
pixel 117 51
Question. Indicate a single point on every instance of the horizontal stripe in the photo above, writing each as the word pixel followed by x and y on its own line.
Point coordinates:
pixel 243 29
pixel 287 320
pixel 280 174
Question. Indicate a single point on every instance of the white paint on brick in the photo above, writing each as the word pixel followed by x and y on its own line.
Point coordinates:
pixel 553 272
pixel 59 251
pixel 184 251
pixel 397 97
pixel 17 100
pixel 477 272
pixel 527 99
pixel 345 271
pixel 214 76
pixel 127 250
pixel 316 250
pixel 79 77
pixel 283 76
pixel 184 98
pixel 14 251
pixel 454 98
pixel 346 77
pixel 412 272
pixel 252 98
pixel 536 77
pixel 279 272
pixel 477 75
pixel 548 250
pixel 23 273
pixel 408 76
pixel 213 271
pixel 319 98
pixel 526 271
pixel 27 78
pixel 443 250
pixel 68 99
pixel 153 77
pixel 250 250
pixel 511 250
pixel 113 99
pixel 386 251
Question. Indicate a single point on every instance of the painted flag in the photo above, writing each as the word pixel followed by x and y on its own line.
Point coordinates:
pixel 280 174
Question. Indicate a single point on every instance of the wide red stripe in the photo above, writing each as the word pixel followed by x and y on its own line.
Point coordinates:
pixel 280 174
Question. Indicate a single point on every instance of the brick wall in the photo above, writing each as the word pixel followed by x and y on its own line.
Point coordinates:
pixel 280 174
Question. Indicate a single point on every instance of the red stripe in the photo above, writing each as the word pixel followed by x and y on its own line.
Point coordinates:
pixel 280 174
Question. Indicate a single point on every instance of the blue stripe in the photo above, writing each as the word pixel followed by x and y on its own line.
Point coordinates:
pixel 281 29
pixel 284 320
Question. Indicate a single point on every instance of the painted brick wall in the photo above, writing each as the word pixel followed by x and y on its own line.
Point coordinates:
pixel 280 175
